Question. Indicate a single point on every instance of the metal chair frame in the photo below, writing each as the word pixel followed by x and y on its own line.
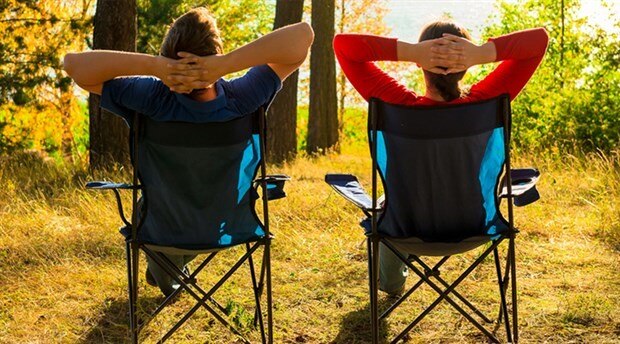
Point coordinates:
pixel 426 272
pixel 187 281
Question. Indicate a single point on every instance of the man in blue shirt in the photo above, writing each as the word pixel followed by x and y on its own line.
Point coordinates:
pixel 184 83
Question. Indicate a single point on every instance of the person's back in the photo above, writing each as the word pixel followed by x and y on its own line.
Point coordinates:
pixel 185 82
pixel 444 53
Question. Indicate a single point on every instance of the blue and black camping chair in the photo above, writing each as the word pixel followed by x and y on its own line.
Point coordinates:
pixel 198 185
pixel 441 170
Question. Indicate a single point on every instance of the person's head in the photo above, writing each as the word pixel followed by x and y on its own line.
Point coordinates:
pixel 447 86
pixel 195 32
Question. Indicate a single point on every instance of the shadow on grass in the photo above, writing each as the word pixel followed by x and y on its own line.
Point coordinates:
pixel 355 326
pixel 113 325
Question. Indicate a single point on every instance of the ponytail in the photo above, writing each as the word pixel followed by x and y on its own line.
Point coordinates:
pixel 446 85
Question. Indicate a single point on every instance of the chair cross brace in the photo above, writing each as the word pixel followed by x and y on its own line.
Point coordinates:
pixel 444 293
pixel 188 283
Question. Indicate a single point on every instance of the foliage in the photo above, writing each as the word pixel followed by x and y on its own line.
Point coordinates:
pixel 353 130
pixel 571 103
pixel 37 107
pixel 573 100
pixel 239 21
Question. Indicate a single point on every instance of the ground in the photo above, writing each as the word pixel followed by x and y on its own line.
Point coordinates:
pixel 63 274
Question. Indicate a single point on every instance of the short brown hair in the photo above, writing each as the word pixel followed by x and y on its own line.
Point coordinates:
pixel 446 85
pixel 195 32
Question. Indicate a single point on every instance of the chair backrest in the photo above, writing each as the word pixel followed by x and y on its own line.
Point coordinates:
pixel 440 168
pixel 197 182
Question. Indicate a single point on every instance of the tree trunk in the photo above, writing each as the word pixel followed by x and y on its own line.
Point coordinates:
pixel 115 29
pixel 323 113
pixel 282 119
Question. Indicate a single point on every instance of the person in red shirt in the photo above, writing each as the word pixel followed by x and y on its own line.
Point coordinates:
pixel 444 52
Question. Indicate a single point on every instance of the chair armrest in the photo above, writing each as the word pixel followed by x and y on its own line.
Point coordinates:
pixel 275 185
pixel 350 188
pixel 524 190
pixel 105 185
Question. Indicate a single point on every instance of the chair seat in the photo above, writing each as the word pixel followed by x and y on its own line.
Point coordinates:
pixel 418 247
pixel 181 251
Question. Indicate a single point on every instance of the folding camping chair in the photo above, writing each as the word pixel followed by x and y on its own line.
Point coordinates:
pixel 441 170
pixel 198 190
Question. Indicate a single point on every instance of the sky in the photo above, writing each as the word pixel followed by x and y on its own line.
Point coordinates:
pixel 407 17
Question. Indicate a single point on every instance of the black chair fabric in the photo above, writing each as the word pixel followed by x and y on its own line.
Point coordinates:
pixel 197 183
pixel 440 170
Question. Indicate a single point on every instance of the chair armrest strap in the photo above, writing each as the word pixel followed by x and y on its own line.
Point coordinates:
pixel 350 188
pixel 275 185
pixel 524 190
pixel 104 185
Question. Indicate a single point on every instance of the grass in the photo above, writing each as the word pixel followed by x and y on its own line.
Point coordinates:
pixel 63 276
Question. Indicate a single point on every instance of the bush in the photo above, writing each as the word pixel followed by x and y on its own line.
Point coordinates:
pixel 573 100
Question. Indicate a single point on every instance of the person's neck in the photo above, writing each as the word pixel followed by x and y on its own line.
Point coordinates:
pixel 204 95
pixel 433 95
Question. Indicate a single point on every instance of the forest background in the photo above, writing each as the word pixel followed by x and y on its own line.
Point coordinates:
pixel 566 122
pixel 570 105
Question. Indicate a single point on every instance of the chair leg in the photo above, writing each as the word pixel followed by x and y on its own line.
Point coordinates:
pixel 373 269
pixel 260 285
pixel 502 293
pixel 513 270
pixel 258 315
pixel 269 294
pixel 133 293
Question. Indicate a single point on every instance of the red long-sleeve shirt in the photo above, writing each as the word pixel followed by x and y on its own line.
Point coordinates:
pixel 521 53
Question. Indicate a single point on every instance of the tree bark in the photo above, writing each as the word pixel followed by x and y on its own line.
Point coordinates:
pixel 115 29
pixel 323 112
pixel 282 119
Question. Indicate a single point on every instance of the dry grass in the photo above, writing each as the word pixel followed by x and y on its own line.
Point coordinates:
pixel 63 276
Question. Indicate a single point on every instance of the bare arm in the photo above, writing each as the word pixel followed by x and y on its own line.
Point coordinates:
pixel 427 56
pixel 284 50
pixel 453 53
pixel 91 69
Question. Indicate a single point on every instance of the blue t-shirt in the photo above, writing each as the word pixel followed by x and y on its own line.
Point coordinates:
pixel 150 97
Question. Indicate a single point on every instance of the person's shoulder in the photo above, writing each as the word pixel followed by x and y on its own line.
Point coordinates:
pixel 261 75
pixel 256 88
pixel 145 81
pixel 138 83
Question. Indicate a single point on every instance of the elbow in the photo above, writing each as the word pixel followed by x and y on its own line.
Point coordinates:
pixel 543 32
pixel 338 43
pixel 543 38
pixel 343 43
pixel 305 37
pixel 307 33
pixel 72 65
pixel 68 64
